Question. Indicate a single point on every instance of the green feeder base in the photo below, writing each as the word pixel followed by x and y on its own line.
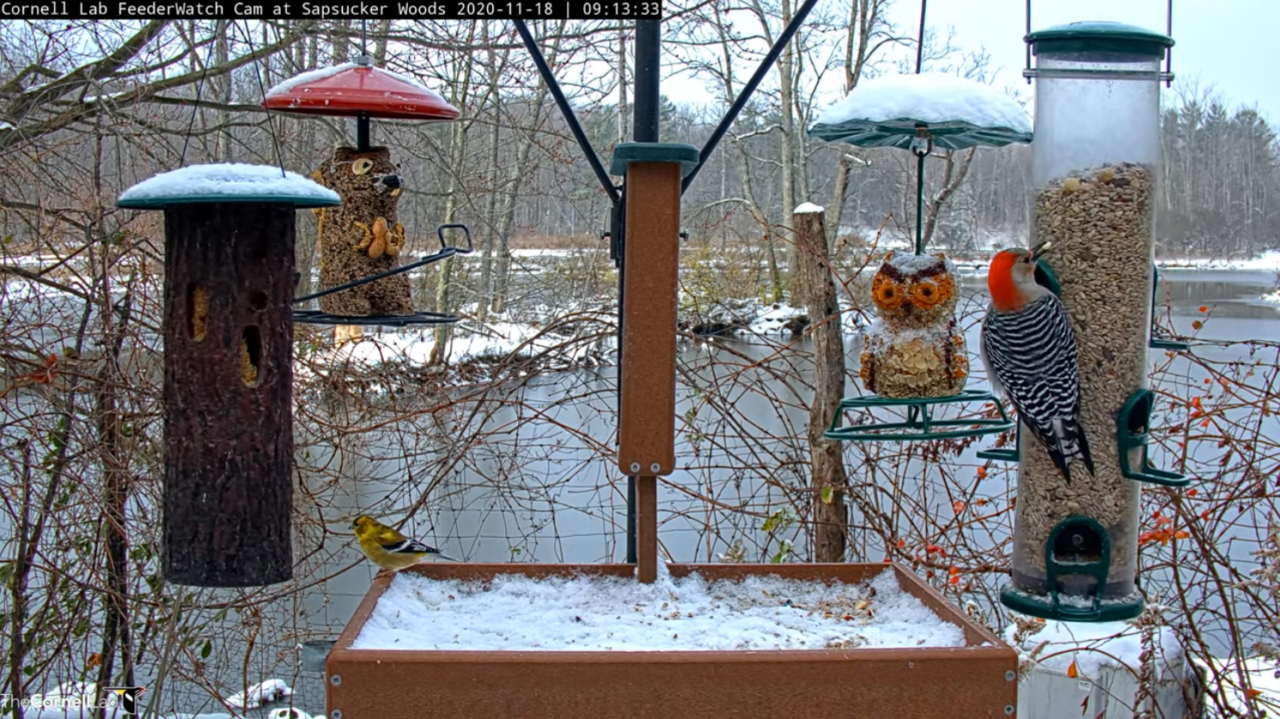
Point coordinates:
pixel 920 423
pixel 1077 550
pixel 1108 610
pixel 1004 454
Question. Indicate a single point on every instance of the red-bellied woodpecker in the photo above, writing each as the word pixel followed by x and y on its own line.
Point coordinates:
pixel 1029 349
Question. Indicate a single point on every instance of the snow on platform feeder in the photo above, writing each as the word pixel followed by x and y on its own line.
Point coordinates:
pixel 959 113
pixel 227 182
pixel 514 613
pixel 759 636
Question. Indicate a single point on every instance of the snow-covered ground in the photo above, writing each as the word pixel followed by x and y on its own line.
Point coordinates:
pixel 475 341
pixel 72 699
pixel 514 613
pixel 1267 262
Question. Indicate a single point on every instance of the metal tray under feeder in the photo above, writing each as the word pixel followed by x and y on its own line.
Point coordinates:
pixel 317 317
pixel 228 368
pixel 978 679
pixel 920 424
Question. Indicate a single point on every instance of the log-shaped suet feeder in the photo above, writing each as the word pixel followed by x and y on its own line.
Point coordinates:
pixel 228 378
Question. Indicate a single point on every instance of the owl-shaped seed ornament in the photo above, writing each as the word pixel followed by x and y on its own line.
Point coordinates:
pixel 915 347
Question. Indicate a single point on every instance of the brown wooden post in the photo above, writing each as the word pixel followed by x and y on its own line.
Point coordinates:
pixel 818 292
pixel 647 394
pixel 228 371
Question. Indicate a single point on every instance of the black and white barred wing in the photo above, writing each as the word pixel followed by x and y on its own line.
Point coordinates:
pixel 1032 359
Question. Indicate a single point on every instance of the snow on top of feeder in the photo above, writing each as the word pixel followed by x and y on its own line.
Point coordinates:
pixel 959 113
pixel 514 613
pixel 1093 645
pixel 806 208
pixel 309 76
pixel 227 182
pixel 909 263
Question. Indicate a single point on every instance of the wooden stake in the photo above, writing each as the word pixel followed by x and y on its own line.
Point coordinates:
pixel 647 529
pixel 818 292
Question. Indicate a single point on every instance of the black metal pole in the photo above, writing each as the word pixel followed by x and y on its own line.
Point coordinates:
pixel 747 90
pixel 648 79
pixel 920 203
pixel 566 109
pixel 362 131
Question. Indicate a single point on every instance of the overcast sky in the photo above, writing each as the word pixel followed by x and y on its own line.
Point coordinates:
pixel 1230 45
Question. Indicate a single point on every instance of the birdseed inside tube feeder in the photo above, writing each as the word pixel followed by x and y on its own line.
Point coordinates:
pixel 1096 157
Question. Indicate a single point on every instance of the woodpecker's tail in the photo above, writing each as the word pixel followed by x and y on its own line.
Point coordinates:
pixel 1069 442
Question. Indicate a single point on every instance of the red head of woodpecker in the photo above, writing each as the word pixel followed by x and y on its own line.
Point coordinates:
pixel 1012 278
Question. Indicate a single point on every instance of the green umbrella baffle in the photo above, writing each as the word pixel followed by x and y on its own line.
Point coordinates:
pixel 921 112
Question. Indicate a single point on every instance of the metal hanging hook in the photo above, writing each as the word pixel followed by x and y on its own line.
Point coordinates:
pixel 920 37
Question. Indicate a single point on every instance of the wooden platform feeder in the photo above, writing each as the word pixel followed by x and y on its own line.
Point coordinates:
pixel 228 378
pixel 976 680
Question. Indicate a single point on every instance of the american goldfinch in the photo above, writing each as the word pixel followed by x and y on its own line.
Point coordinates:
pixel 388 548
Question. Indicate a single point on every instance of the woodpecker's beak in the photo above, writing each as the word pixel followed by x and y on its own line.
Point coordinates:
pixel 1035 252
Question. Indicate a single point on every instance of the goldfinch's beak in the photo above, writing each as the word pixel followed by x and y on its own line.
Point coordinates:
pixel 1040 249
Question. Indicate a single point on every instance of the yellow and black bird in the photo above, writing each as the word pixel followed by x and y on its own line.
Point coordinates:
pixel 390 549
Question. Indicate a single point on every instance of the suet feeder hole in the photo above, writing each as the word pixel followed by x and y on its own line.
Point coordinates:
pixel 1096 160
pixel 228 368
pixel 361 277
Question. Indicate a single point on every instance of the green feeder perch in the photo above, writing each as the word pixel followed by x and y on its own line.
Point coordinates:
pixel 921 112
pixel 228 368
pixel 1132 438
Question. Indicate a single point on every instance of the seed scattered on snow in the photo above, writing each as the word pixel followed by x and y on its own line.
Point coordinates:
pixel 761 612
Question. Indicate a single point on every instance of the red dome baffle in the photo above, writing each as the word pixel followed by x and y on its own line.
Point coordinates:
pixel 360 90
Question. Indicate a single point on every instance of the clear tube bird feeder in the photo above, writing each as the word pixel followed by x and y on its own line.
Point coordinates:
pixel 1096 161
